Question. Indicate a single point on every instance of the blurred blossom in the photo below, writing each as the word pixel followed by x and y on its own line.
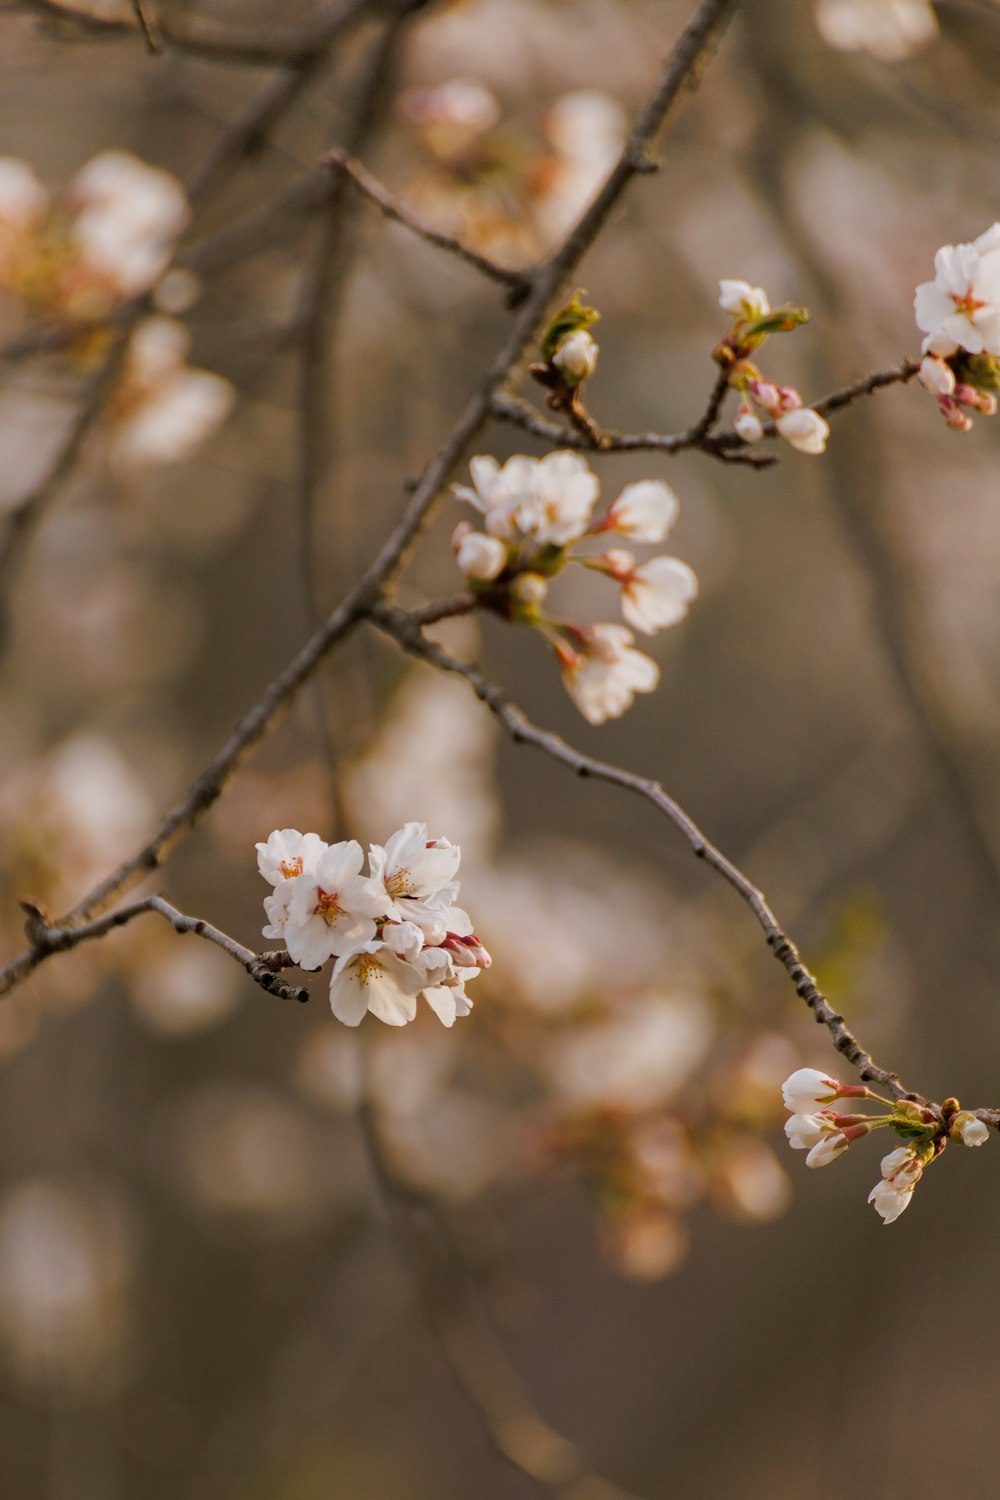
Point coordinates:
pixel 646 1242
pixel 179 988
pixel 587 131
pixel 747 1182
pixel 635 1058
pixel 242 1151
pixel 66 1261
pixel 564 923
pixel 457 1145
pixel 69 817
pixel 889 29
pixel 747 1089
pixel 163 410
pixel 433 758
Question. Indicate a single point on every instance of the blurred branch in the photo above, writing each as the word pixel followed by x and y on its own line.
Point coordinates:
pixel 397 624
pixel 209 40
pixel 147 28
pixel 446 1284
pixel 392 208
pixel 683 70
pixel 47 937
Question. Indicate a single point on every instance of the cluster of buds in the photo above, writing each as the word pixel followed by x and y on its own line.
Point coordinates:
pixel 826 1133
pixel 533 511
pixel 394 933
pixel 753 320
pixel 959 314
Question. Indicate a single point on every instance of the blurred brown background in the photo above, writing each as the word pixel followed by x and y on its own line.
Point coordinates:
pixel 201 1294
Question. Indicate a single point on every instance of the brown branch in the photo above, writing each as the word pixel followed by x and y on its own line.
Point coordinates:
pixel 397 624
pixel 149 33
pixel 47 938
pixel 392 208
pixel 682 71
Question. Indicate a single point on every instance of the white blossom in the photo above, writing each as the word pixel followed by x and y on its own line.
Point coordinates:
pixel 416 875
pixel 22 196
pixel 604 675
pixel 128 215
pixel 657 594
pixel 332 907
pixel 480 556
pixel 287 853
pixel 804 429
pixel 807 1088
pixel 549 500
pixel 973 1132
pixel 960 308
pixel 373 977
pixel 936 376
pixel 743 300
pixel 165 409
pixel 644 511
pixel 827 1149
pixel 577 355
pixel 748 425
pixel 889 29
pixel 890 1199
pixel 804 1131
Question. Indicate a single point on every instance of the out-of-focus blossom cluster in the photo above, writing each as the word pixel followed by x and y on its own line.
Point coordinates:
pixel 493 188
pixel 959 314
pixel 534 511
pixel 890 30
pixel 395 933
pixel 163 410
pixel 753 320
pixel 107 239
pixel 826 1133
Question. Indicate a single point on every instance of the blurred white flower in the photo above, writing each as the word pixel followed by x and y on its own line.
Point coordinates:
pixel 23 199
pixel 889 29
pixel 936 376
pixel 479 556
pixel 164 410
pixel 604 674
pixel 587 130
pixel 126 219
pixel 744 301
pixel 634 1059
pixel 656 594
pixel 748 425
pixel 577 356
pixel 644 511
pixel 549 500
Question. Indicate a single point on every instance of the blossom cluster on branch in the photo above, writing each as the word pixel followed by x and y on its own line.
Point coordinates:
pixel 395 934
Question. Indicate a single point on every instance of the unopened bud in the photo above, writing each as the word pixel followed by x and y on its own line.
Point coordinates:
pixel 749 427
pixel 576 356
pixel 936 376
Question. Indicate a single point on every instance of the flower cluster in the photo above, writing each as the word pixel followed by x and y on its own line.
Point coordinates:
pixel 753 320
pixel 162 409
pixel 106 240
pixel 890 30
pixel 533 511
pixel 959 314
pixel 395 933
pixel 826 1133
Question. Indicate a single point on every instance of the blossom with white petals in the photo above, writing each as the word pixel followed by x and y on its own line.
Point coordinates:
pixel 644 511
pixel 807 1088
pixel 827 1149
pixel 657 593
pixel 22 196
pixel 743 300
pixel 415 875
pixel 374 978
pixel 901 1171
pixel 604 674
pixel 127 216
pixel 960 308
pixel 287 853
pixel 805 1131
pixel 548 500
pixel 748 425
pixel 804 429
pixel 936 376
pixel 332 906
pixel 479 556
pixel 967 1129
pixel 163 409
pixel 576 356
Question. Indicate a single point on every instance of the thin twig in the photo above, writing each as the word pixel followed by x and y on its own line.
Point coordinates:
pixel 682 71
pixel 146 27
pixel 397 624
pixel 392 208
pixel 263 968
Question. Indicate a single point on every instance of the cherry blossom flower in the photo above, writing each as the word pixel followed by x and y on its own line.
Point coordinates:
pixel 657 593
pixel 164 410
pixel 804 1131
pixel 748 425
pixel 960 308
pixel 744 301
pixel 807 1088
pixel 332 907
pixel 576 356
pixel 967 1129
pixel 936 376
pixel 604 674
pixel 127 216
pixel 804 429
pixel 644 511
pixel 549 500
pixel 901 1171
pixel 889 29
pixel 479 556
pixel 373 978
pixel 416 875
pixel 287 853
pixel 827 1149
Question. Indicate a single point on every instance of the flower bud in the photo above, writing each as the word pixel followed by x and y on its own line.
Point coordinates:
pixel 807 1088
pixel 576 356
pixel 766 395
pixel 481 557
pixel 743 300
pixel 967 1129
pixel 982 401
pixel 530 589
pixel 936 376
pixel 827 1149
pixel 953 414
pixel 749 426
pixel 804 429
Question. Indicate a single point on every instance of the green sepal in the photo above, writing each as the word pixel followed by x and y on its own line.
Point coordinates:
pixel 569 319
pixel 983 372
pixel 778 320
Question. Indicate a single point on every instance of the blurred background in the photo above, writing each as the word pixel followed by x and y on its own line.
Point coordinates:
pixel 247 1253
